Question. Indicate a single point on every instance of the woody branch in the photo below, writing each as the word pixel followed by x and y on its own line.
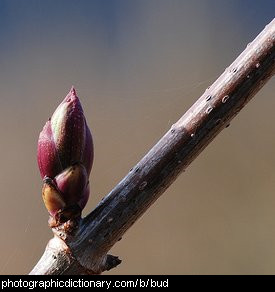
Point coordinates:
pixel 85 252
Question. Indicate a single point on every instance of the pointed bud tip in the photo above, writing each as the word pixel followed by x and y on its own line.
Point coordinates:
pixel 71 96
pixel 73 91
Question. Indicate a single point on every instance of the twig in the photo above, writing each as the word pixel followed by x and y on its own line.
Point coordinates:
pixel 85 252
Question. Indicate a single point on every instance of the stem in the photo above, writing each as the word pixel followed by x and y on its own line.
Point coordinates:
pixel 157 170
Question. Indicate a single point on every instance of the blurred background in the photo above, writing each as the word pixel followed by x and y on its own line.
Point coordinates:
pixel 138 66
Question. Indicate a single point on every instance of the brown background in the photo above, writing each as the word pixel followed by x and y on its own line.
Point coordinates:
pixel 137 67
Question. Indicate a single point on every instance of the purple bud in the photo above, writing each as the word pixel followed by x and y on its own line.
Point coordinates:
pixel 65 158
pixel 66 196
pixel 65 139
pixel 72 183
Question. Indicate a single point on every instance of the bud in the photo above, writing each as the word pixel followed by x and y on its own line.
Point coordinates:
pixel 65 158
pixel 67 194
pixel 52 197
pixel 65 139
pixel 72 184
